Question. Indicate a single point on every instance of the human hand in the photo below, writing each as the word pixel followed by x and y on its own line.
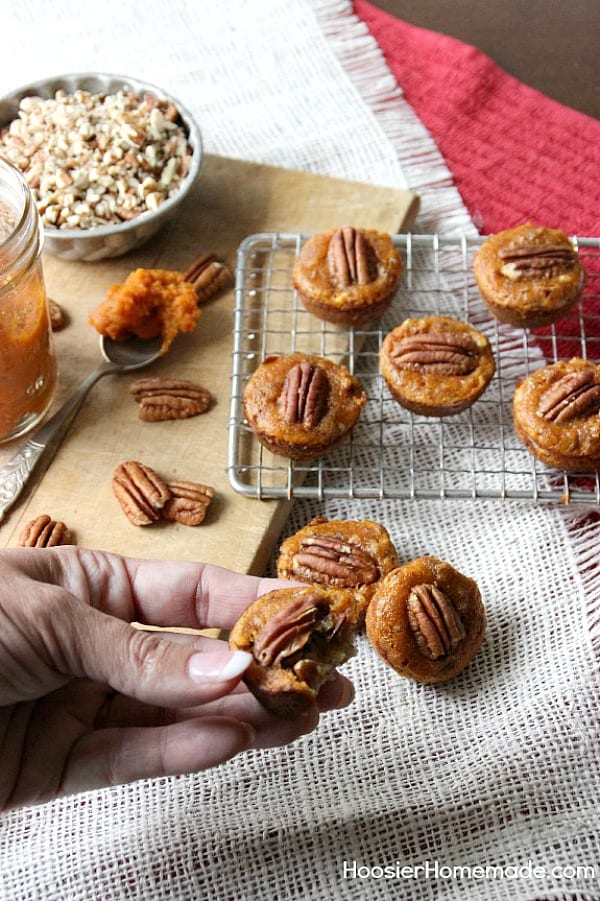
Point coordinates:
pixel 87 700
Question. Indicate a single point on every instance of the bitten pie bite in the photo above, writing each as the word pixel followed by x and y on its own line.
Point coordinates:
pixel 347 276
pixel 297 636
pixel 300 406
pixel 529 276
pixel 436 366
pixel 557 414
pixel 345 554
pixel 426 620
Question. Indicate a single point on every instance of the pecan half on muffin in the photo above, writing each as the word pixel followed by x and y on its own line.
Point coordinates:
pixel 436 366
pixel 347 276
pixel 300 406
pixel 529 276
pixel 345 554
pixel 297 636
pixel 426 620
pixel 557 414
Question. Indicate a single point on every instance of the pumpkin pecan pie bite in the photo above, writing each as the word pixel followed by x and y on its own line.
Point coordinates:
pixel 345 554
pixel 347 276
pixel 300 405
pixel 557 414
pixel 426 620
pixel 529 276
pixel 297 637
pixel 436 366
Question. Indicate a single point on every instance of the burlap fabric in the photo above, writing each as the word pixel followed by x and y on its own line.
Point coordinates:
pixel 485 788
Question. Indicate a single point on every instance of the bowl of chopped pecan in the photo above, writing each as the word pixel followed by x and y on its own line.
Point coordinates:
pixel 108 158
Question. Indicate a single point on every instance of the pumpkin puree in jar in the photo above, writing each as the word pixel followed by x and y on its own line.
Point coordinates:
pixel 27 363
pixel 148 303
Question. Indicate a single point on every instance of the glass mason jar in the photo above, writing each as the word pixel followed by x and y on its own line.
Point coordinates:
pixel 27 361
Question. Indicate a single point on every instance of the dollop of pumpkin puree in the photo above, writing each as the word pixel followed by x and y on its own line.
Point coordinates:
pixel 148 303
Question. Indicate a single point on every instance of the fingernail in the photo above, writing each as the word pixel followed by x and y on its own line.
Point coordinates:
pixel 220 666
pixel 250 735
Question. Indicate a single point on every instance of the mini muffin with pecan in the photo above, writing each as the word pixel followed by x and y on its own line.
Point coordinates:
pixel 352 556
pixel 529 276
pixel 557 414
pixel 300 406
pixel 436 366
pixel 297 636
pixel 426 620
pixel 347 276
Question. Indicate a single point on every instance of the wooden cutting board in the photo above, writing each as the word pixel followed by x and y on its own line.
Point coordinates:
pixel 231 199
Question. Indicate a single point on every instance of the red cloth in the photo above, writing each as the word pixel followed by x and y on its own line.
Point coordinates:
pixel 515 154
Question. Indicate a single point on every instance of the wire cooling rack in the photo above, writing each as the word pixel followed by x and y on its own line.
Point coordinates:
pixel 393 453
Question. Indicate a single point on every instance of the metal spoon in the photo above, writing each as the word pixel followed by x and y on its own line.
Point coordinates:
pixel 119 356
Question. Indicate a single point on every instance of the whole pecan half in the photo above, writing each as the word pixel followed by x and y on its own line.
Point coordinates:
pixel 348 257
pixel 434 621
pixel 305 394
pixel 43 531
pixel 448 353
pixel 536 260
pixel 330 560
pixel 288 631
pixel 575 394
pixel 140 491
pixel 164 398
pixel 188 503
pixel 208 275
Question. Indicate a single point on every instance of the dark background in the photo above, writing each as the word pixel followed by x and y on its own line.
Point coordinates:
pixel 551 45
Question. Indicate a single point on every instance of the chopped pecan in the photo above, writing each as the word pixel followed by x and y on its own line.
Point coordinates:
pixel 448 353
pixel 348 258
pixel 330 560
pixel 140 491
pixel 535 260
pixel 305 394
pixel 188 503
pixel 288 631
pixel 312 672
pixel 575 394
pixel 162 398
pixel 208 275
pixel 434 621
pixel 43 531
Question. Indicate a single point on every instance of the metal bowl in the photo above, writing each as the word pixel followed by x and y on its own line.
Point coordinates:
pixel 104 241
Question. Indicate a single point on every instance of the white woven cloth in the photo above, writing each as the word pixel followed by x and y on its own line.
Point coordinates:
pixel 498 769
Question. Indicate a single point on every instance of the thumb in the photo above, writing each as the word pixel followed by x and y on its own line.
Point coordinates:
pixel 144 665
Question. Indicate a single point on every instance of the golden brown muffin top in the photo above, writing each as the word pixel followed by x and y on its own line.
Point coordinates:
pixel 426 620
pixel 436 361
pixel 303 400
pixel 533 268
pixel 558 407
pixel 347 267
pixel 346 554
